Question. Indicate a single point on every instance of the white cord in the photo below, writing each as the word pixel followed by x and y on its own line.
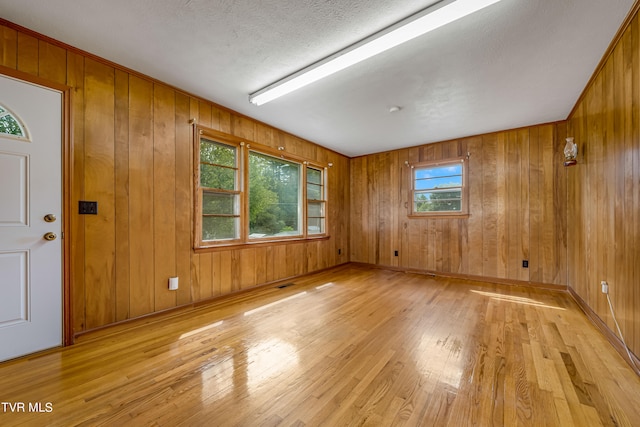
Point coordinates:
pixel 633 362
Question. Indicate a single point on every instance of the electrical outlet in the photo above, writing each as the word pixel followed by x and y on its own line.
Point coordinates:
pixel 525 263
pixel 605 287
pixel 339 251
pixel 395 253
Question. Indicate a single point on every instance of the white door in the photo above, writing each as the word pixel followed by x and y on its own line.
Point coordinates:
pixel 30 189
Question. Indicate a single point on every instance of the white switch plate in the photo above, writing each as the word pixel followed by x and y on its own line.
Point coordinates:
pixel 173 283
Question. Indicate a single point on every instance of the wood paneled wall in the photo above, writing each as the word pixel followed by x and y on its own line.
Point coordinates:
pixel 604 189
pixel 517 188
pixel 132 153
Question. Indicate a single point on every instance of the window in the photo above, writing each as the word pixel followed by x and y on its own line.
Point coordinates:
pixel 315 201
pixel 439 188
pixel 219 190
pixel 247 193
pixel 274 196
pixel 10 125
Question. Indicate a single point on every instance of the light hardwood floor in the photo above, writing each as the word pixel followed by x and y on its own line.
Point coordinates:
pixel 349 346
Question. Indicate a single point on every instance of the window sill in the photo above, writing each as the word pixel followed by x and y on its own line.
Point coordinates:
pixel 447 215
pixel 258 244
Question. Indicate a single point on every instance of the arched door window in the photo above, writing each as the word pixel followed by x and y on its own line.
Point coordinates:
pixel 11 125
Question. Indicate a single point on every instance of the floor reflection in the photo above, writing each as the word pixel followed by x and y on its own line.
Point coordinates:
pixel 280 301
pixel 268 359
pixel 518 300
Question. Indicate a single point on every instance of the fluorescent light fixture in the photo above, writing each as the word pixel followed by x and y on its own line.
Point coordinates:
pixel 436 16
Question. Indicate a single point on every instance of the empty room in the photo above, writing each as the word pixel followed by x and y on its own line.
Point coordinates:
pixel 320 213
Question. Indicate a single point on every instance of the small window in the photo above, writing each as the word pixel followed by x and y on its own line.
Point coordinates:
pixel 315 200
pixel 220 195
pixel 10 125
pixel 439 188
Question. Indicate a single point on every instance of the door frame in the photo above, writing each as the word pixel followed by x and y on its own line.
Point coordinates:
pixel 67 186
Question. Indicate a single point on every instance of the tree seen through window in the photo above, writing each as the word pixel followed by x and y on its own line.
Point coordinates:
pixel 438 188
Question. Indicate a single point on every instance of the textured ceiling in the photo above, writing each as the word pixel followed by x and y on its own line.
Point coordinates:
pixel 516 63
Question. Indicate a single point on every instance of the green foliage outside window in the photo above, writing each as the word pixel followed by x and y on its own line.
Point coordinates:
pixel 9 125
pixel 438 202
pixel 274 196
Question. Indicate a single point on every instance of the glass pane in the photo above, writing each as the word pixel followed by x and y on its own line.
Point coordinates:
pixel 10 126
pixel 439 171
pixel 433 183
pixel 314 176
pixel 219 228
pixel 219 204
pixel 217 177
pixel 439 195
pixel 314 192
pixel 438 177
pixel 315 225
pixel 274 197
pixel 217 153
pixel 315 209
pixel 440 201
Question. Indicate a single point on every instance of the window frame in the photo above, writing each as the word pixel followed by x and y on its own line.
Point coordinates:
pixel 322 201
pixel 244 148
pixel 203 133
pixel 464 200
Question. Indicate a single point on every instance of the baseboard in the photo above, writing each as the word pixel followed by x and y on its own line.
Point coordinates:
pixel 613 339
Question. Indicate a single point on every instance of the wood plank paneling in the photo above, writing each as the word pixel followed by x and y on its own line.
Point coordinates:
pixel 9 47
pixel 517 198
pixel 123 253
pixel 604 188
pixel 28 56
pixel 52 62
pixel 141 189
pixel 99 181
pixel 164 195
pixel 472 230
pixel 184 191
pixel 489 205
pixel 632 231
pixel 75 79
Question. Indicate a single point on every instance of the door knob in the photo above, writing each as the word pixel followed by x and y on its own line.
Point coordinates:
pixel 50 236
pixel 50 218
